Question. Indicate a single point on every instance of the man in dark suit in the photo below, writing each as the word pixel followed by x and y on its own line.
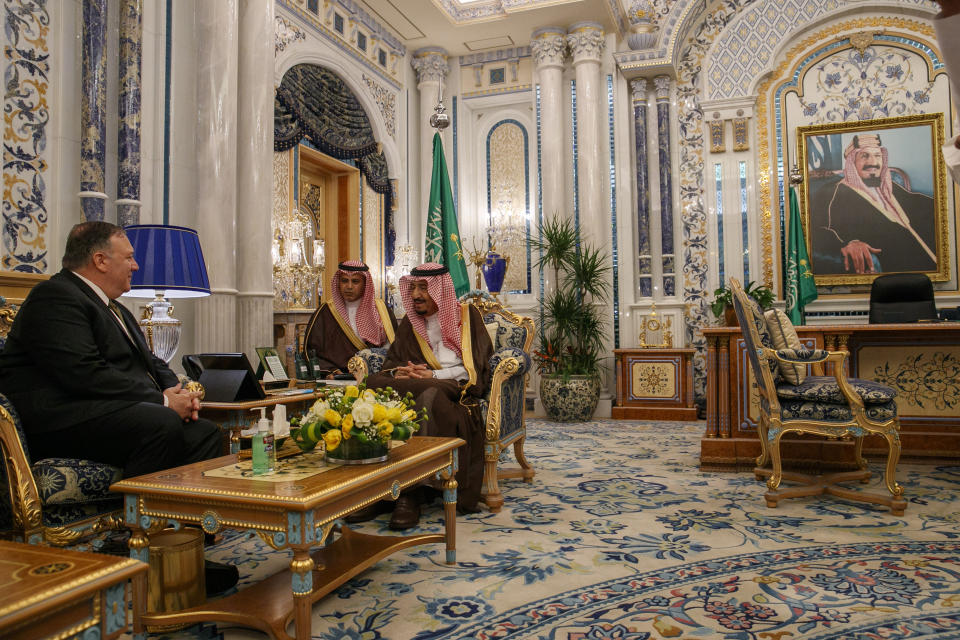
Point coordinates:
pixel 77 368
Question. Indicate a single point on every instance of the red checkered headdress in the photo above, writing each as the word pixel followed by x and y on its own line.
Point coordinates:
pixel 440 287
pixel 850 176
pixel 369 325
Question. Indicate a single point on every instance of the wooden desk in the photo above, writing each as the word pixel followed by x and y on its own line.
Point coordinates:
pixel 56 593
pixel 237 416
pixel 298 515
pixel 654 384
pixel 922 361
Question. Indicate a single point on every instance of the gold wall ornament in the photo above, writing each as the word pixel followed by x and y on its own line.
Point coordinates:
pixel 741 139
pixel 860 41
pixel 716 136
pixel 650 324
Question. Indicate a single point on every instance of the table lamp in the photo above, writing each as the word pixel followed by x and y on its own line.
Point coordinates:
pixel 171 264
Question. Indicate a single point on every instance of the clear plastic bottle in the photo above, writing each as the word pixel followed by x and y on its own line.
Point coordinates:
pixel 264 452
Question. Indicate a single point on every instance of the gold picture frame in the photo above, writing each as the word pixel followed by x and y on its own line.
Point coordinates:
pixel 898 220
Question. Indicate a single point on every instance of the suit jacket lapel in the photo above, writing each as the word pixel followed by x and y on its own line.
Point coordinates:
pixel 139 346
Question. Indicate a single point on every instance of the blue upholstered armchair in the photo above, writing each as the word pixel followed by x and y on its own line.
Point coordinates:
pixel 832 406
pixel 512 338
pixel 56 500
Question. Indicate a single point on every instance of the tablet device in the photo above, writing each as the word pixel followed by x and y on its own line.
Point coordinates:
pixel 226 377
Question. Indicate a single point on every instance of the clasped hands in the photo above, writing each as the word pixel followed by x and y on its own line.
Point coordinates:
pixel 185 403
pixel 411 370
pixel 859 255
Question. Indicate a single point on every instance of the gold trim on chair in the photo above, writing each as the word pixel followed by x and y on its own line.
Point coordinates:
pixel 857 427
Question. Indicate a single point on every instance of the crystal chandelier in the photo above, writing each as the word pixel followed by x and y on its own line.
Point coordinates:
pixel 298 262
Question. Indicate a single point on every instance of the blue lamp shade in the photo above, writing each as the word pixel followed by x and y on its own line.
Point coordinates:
pixel 170 261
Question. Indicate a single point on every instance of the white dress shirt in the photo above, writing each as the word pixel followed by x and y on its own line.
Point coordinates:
pixel 352 313
pixel 451 364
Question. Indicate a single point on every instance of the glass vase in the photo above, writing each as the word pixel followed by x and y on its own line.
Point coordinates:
pixel 354 451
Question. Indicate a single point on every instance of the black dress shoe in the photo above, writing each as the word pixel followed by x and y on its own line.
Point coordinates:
pixel 406 513
pixel 219 577
pixel 369 512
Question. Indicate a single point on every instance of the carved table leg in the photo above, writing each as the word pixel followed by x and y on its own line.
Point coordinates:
pixel 450 514
pixel 301 567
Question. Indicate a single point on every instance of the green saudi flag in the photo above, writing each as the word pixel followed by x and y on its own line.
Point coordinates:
pixel 443 237
pixel 801 289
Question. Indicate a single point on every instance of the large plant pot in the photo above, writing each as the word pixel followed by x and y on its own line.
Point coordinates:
pixel 571 399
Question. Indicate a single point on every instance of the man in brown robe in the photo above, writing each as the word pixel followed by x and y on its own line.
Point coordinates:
pixel 352 320
pixel 441 355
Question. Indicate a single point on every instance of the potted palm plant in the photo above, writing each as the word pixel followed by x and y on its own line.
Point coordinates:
pixel 571 320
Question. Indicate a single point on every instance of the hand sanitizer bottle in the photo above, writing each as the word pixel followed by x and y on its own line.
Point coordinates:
pixel 264 453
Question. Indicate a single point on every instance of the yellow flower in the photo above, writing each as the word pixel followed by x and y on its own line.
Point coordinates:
pixel 332 438
pixel 351 392
pixel 385 428
pixel 409 415
pixel 332 417
pixel 346 425
pixel 379 413
pixel 395 415
pixel 369 395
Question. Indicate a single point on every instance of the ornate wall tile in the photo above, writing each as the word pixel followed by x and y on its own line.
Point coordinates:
pixel 26 83
pixel 754 36
pixel 285 32
pixel 508 197
pixel 691 149
pixel 386 101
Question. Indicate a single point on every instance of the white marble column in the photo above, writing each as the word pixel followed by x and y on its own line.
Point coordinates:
pixel 216 324
pixel 255 176
pixel 549 46
pixel 586 43
pixel 431 67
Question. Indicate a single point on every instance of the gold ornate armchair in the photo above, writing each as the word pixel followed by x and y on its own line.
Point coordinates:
pixel 56 500
pixel 832 406
pixel 512 336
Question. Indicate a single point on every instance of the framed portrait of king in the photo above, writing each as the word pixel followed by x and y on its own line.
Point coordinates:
pixel 874 199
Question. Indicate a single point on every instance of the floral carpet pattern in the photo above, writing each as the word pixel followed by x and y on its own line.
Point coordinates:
pixel 620 536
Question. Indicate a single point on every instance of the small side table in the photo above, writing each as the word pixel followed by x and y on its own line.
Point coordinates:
pixel 654 384
pixel 55 593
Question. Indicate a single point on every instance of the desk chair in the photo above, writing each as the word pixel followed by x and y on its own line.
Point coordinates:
pixel 902 297
pixel 832 406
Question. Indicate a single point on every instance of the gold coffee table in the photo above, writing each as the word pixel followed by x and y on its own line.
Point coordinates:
pixel 297 514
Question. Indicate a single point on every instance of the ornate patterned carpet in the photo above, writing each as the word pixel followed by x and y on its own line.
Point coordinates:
pixel 620 536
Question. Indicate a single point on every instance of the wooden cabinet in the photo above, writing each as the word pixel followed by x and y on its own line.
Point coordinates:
pixel 654 384
pixel 56 593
